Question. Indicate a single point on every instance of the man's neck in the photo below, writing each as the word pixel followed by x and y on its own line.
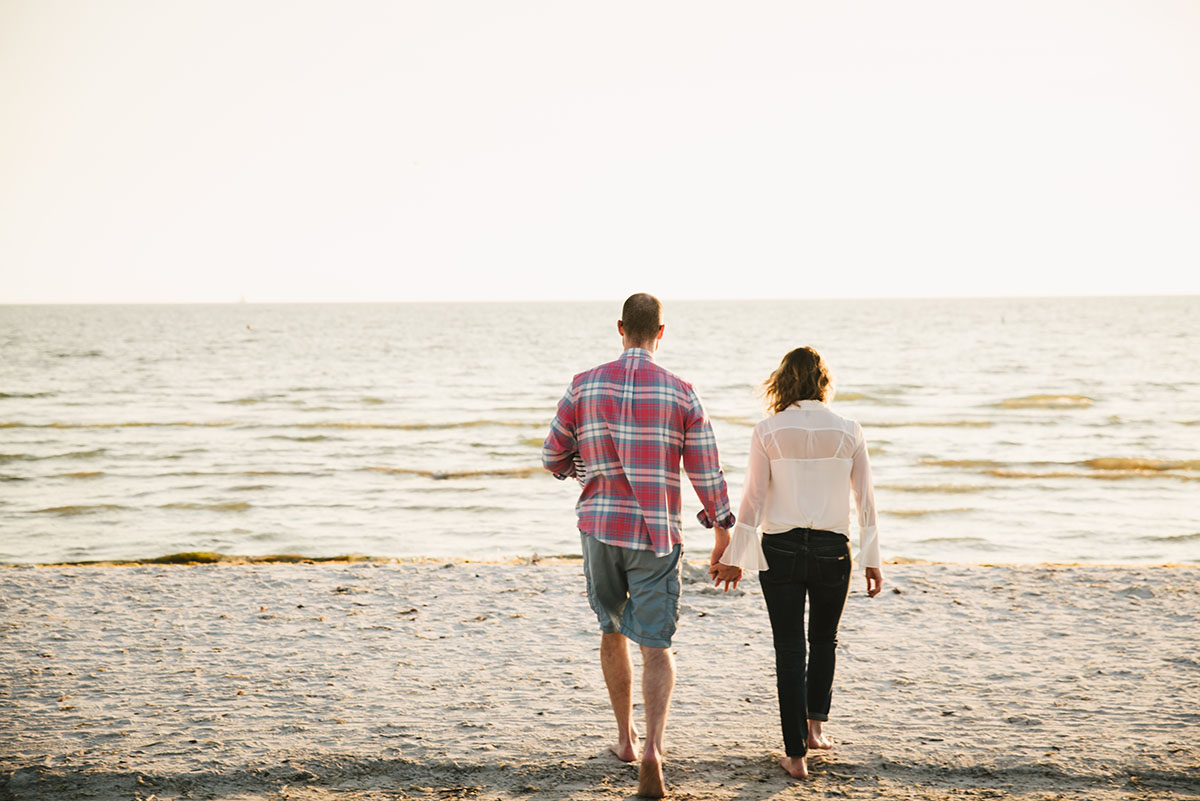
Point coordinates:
pixel 646 346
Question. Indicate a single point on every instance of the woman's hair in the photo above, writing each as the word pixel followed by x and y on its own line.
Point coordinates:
pixel 802 375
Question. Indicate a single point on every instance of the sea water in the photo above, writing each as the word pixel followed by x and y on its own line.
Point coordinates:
pixel 1000 430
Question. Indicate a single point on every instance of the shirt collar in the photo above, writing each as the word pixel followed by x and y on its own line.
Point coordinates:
pixel 637 353
pixel 810 404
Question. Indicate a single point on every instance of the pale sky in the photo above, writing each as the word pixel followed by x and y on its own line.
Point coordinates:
pixel 159 150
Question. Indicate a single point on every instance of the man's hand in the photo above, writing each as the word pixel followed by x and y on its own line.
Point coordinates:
pixel 874 581
pixel 716 571
pixel 725 573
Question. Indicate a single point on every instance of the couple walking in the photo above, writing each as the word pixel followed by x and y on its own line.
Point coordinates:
pixel 622 430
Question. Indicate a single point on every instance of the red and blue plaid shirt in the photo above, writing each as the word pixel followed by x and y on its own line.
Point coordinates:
pixel 621 430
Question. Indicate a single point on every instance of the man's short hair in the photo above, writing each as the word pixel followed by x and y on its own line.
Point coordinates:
pixel 641 316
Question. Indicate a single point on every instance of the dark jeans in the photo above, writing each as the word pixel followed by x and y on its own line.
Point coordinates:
pixel 804 561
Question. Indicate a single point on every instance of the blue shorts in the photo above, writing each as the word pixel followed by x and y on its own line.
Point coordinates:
pixel 632 591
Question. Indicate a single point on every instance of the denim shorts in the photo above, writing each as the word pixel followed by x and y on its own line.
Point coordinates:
pixel 633 592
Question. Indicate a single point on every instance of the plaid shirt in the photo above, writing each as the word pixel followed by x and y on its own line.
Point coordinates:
pixel 621 430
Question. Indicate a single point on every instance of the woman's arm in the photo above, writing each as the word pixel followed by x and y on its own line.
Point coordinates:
pixel 745 547
pixel 864 500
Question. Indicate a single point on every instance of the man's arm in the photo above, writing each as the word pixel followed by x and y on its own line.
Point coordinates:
pixel 560 451
pixel 703 466
pixel 730 574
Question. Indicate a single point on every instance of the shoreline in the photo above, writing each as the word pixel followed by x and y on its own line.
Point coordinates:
pixel 193 558
pixel 440 679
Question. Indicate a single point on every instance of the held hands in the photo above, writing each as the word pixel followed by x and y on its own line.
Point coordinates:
pixel 719 573
pixel 874 581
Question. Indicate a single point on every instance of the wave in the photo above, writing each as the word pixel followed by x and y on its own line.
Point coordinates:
pixel 860 397
pixel 81 354
pixel 232 506
pixel 4 477
pixel 331 424
pixel 1103 475
pixel 1107 469
pixel 251 400
pixel 936 488
pixel 1141 464
pixel 453 508
pixel 372 401
pixel 135 424
pixel 84 474
pixel 86 509
pixel 951 539
pixel 960 462
pixel 1174 538
pixel 932 424
pixel 24 395
pixel 313 438
pixel 28 457
pixel 424 426
pixel 442 475
pixel 1046 402
pixel 736 420
pixel 922 512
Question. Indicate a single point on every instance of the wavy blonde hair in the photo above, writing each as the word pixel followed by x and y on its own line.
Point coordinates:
pixel 802 375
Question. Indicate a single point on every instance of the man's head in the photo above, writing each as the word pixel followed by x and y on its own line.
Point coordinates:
pixel 641 324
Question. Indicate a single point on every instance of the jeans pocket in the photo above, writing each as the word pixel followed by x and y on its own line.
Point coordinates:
pixel 782 563
pixel 831 570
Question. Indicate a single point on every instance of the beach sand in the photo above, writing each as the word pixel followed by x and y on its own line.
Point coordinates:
pixel 465 680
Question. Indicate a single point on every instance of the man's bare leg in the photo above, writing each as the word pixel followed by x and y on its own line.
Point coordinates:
pixel 618 675
pixel 658 681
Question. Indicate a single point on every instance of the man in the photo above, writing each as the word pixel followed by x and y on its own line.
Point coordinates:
pixel 621 430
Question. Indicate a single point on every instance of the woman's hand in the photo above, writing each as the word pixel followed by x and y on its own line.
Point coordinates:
pixel 874 581
pixel 727 573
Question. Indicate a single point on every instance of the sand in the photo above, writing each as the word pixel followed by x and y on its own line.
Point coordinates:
pixel 432 681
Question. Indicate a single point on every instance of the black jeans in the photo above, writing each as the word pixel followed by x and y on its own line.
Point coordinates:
pixel 804 561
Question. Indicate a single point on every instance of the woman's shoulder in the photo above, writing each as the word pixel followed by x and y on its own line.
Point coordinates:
pixel 850 425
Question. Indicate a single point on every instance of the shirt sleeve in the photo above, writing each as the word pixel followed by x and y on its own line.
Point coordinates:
pixel 560 451
pixel 745 541
pixel 864 499
pixel 703 466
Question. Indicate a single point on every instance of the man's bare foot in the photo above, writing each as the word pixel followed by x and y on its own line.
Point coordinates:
pixel 796 767
pixel 626 750
pixel 650 777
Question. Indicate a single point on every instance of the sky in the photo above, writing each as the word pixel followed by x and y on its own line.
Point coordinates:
pixel 292 151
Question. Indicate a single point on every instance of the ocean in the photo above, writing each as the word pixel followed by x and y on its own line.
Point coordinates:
pixel 1000 430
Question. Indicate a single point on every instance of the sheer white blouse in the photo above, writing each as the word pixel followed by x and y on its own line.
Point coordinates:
pixel 804 463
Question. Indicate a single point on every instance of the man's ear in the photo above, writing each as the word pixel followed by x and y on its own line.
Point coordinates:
pixel 661 328
pixel 620 327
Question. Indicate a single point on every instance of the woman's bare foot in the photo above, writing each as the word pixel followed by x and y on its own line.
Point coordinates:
pixel 816 739
pixel 650 777
pixel 796 767
pixel 626 750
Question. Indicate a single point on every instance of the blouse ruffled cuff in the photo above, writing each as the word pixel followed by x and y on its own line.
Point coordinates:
pixel 868 547
pixel 745 549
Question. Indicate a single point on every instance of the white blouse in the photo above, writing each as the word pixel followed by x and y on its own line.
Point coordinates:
pixel 804 463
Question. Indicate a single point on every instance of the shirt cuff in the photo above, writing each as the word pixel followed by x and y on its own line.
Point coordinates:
pixel 727 521
pixel 868 547
pixel 745 549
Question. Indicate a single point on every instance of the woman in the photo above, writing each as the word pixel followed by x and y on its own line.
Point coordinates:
pixel 805 460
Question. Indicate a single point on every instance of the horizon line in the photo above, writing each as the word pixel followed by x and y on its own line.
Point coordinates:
pixel 615 299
